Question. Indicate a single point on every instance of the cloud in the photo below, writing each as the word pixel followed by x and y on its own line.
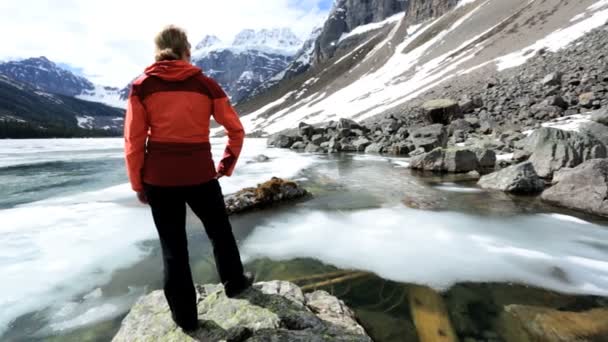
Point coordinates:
pixel 111 40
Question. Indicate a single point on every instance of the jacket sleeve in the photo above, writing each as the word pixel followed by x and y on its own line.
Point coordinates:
pixel 225 115
pixel 136 133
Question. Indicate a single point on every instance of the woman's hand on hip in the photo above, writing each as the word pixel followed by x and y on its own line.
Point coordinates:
pixel 141 196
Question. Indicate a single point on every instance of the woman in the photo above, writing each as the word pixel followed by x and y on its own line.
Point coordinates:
pixel 170 165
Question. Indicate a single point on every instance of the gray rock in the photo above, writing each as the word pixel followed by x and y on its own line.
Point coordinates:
pixel 596 130
pixel 557 101
pixel 298 145
pixel 486 158
pixel 469 104
pixel 281 141
pixel 600 116
pixel 374 148
pixel 361 144
pixel 584 187
pixel 306 130
pixel 442 160
pixel 270 311
pixel 520 179
pixel 429 137
pixel 552 149
pixel 318 139
pixel 400 149
pixel 441 111
pixel 460 125
pixel 554 78
pixel 348 124
pixel 312 148
pixel 260 159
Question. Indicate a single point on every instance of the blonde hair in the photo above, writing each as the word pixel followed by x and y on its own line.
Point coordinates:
pixel 171 44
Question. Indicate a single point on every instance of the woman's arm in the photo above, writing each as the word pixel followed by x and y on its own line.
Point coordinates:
pixel 225 115
pixel 136 133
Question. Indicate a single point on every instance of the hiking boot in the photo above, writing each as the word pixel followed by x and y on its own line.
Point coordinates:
pixel 234 291
pixel 186 327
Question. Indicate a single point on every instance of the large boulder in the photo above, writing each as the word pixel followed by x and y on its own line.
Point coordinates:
pixel 518 179
pixel 429 137
pixel 446 160
pixel 266 194
pixel 281 141
pixel 486 158
pixel 553 149
pixel 600 116
pixel 525 323
pixel 584 187
pixel 442 111
pixel 270 311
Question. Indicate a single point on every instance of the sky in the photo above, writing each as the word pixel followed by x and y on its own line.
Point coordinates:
pixel 111 41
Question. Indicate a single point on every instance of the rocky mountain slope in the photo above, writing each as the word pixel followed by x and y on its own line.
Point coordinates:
pixel 392 67
pixel 252 58
pixel 45 75
pixel 29 112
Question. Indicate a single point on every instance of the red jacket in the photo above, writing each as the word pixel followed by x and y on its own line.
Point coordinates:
pixel 167 127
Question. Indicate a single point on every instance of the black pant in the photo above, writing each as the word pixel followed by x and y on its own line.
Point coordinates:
pixel 169 211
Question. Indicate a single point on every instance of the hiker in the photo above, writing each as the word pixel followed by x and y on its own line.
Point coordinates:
pixel 169 163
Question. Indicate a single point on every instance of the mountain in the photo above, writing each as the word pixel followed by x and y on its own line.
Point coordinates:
pixel 27 112
pixel 249 60
pixel 393 61
pixel 49 77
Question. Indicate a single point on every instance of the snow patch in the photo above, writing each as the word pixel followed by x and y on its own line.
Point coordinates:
pixel 372 26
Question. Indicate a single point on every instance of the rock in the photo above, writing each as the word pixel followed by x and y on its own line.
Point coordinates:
pixel 469 104
pixel 600 116
pixel 441 111
pixel 553 79
pixel 596 130
pixel 374 148
pixel 401 148
pixel 552 149
pixel 270 311
pixel 486 158
pixel 281 141
pixel 306 130
pixel 586 100
pixel 361 144
pixel 318 139
pixel 272 192
pixel 460 125
pixel 442 160
pixel 531 323
pixel 519 179
pixel 312 148
pixel 298 145
pixel 260 159
pixel 429 137
pixel 347 124
pixel 557 101
pixel 584 187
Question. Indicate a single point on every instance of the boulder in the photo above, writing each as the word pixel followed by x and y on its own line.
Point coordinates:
pixel 446 160
pixel 312 148
pixel 347 124
pixel 260 159
pixel 519 179
pixel 553 149
pixel 586 100
pixel 584 187
pixel 374 148
pixel 429 137
pixel 300 145
pixel 442 111
pixel 280 141
pixel 469 104
pixel 318 139
pixel 269 311
pixel 532 323
pixel 553 79
pixel 361 144
pixel 486 158
pixel 272 192
pixel 460 125
pixel 600 116
pixel 306 130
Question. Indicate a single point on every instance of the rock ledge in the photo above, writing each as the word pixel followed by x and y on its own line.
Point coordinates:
pixel 270 311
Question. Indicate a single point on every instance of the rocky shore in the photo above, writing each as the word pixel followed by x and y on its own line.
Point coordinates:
pixel 517 129
pixel 270 311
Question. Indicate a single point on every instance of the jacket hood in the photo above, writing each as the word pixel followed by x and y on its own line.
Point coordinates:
pixel 177 70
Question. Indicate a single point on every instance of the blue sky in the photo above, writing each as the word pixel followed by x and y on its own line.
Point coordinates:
pixel 111 41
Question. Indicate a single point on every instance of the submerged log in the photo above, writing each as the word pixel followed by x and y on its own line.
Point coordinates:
pixel 430 315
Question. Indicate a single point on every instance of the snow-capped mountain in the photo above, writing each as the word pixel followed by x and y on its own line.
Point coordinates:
pixel 367 68
pixel 250 59
pixel 49 77
pixel 46 76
